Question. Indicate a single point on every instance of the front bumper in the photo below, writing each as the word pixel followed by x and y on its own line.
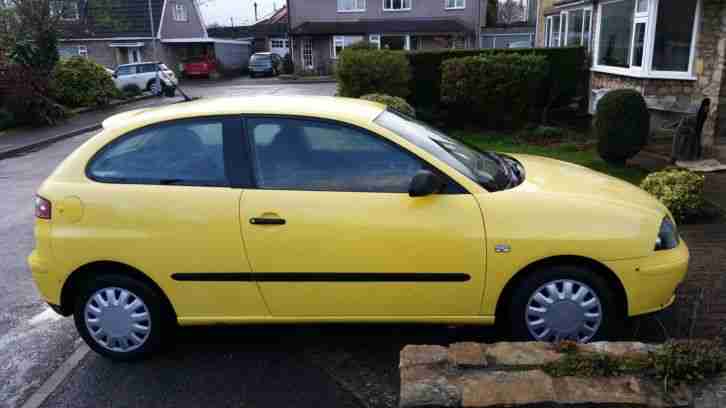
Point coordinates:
pixel 650 283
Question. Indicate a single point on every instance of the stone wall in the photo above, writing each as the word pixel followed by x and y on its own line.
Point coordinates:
pixel 511 375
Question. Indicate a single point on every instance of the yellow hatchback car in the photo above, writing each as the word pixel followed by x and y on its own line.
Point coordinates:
pixel 321 209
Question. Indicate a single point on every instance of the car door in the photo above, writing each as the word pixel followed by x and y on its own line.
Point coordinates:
pixel 124 75
pixel 330 229
pixel 165 200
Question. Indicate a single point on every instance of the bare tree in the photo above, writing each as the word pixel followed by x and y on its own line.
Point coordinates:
pixel 511 11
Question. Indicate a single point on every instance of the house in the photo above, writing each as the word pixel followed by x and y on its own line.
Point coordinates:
pixel 320 29
pixel 672 51
pixel 270 34
pixel 510 23
pixel 114 32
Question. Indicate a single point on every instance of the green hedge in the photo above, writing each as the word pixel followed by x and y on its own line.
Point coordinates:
pixel 78 82
pixel 365 71
pixel 394 102
pixel 567 67
pixel 622 125
pixel 493 90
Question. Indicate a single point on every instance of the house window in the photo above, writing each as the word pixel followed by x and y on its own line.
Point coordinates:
pixel 351 5
pixel 82 51
pixel 454 4
pixel 307 53
pixel 647 38
pixel 180 12
pixel 569 28
pixel 65 10
pixel 279 43
pixel 342 41
pixel 375 39
pixel 396 5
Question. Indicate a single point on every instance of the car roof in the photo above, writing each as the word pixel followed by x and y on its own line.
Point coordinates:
pixel 263 53
pixel 138 63
pixel 349 110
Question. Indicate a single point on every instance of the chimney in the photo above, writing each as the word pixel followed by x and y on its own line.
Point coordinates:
pixel 255 11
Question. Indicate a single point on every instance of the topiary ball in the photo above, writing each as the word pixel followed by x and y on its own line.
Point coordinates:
pixel 395 102
pixel 679 190
pixel 622 125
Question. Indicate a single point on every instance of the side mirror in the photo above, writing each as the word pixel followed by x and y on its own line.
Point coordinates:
pixel 115 75
pixel 425 183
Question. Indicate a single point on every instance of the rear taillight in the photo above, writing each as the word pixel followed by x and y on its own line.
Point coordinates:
pixel 42 208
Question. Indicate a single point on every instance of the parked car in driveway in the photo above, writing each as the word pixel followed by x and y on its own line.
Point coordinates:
pixel 322 209
pixel 144 75
pixel 265 63
pixel 203 66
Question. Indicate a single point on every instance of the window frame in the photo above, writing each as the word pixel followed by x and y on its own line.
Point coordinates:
pixel 353 10
pixel 452 186
pixel 564 27
pixel 339 40
pixel 646 70
pixel 455 7
pixel 410 6
pixel 179 13
pixel 83 51
pixel 235 154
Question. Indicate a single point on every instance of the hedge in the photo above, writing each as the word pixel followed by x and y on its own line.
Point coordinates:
pixel 567 67
pixel 365 71
pixel 622 125
pixel 393 102
pixel 78 82
pixel 494 90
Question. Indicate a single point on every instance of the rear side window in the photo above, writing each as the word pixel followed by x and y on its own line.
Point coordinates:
pixel 189 152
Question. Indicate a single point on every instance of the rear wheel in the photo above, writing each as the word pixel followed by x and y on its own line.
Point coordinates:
pixel 120 317
pixel 563 303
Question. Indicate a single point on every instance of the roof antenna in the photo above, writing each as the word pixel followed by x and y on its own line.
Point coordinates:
pixel 255 11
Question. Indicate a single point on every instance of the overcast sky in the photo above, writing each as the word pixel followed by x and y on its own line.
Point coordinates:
pixel 240 11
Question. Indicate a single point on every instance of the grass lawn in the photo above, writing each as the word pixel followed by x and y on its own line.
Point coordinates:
pixel 579 152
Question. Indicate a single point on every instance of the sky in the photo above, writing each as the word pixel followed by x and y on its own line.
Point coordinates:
pixel 241 12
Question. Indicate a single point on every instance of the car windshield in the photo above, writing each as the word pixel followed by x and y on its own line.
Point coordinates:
pixel 491 170
pixel 259 58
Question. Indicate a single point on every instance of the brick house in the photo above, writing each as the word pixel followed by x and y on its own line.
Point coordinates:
pixel 114 32
pixel 320 29
pixel 672 51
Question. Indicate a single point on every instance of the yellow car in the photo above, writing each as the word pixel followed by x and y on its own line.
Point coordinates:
pixel 317 209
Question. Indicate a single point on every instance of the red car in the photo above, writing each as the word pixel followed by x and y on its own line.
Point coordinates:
pixel 199 66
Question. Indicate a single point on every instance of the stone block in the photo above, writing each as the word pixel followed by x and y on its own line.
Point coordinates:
pixel 609 391
pixel 467 355
pixel 505 388
pixel 521 354
pixel 425 354
pixel 431 392
pixel 619 348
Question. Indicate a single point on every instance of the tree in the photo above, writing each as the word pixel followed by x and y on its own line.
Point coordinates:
pixel 511 11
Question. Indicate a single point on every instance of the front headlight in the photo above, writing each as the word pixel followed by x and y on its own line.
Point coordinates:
pixel 667 236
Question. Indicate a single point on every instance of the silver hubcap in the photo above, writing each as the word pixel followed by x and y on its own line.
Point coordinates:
pixel 117 319
pixel 563 310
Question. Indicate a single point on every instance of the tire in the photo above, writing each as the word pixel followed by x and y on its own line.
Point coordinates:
pixel 565 319
pixel 152 314
pixel 149 85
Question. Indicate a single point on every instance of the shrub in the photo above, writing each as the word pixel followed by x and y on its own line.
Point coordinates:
pixel 362 45
pixel 688 361
pixel 81 82
pixel 23 91
pixel 679 190
pixel 360 72
pixel 394 102
pixel 567 71
pixel 7 119
pixel 131 90
pixel 622 125
pixel 495 90
pixel 288 67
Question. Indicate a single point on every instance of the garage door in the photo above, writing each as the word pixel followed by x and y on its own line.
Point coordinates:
pixel 280 46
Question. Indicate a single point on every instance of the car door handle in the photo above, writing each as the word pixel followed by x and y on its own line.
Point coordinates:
pixel 267 221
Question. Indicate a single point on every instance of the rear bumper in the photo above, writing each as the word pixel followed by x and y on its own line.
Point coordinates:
pixel 48 286
pixel 650 283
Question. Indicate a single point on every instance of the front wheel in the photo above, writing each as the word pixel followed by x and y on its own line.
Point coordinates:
pixel 120 318
pixel 563 303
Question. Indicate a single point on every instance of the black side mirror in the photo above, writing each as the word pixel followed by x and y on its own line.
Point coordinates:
pixel 424 183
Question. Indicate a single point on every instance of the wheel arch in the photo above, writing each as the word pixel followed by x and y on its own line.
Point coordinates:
pixel 75 279
pixel 570 260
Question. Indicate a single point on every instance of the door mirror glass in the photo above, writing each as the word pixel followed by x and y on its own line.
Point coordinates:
pixel 425 183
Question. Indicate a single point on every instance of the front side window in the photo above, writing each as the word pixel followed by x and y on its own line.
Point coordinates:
pixel 393 5
pixel 299 154
pixel 647 38
pixel 126 70
pixel 180 12
pixel 351 5
pixel 455 4
pixel 186 152
pixel 340 42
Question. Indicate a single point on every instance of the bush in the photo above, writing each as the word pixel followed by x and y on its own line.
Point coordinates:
pixel 679 190
pixel 494 90
pixel 131 90
pixel 394 102
pixel 622 125
pixel 688 361
pixel 360 72
pixel 362 45
pixel 567 71
pixel 23 91
pixel 80 82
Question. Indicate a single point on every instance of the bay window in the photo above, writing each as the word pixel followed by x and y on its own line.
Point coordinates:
pixel 569 28
pixel 340 42
pixel 647 38
pixel 351 5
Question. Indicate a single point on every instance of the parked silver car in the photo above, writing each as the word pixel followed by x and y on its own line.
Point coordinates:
pixel 143 75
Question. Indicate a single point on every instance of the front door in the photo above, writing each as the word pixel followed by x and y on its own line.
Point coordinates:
pixel 330 229
pixel 134 55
